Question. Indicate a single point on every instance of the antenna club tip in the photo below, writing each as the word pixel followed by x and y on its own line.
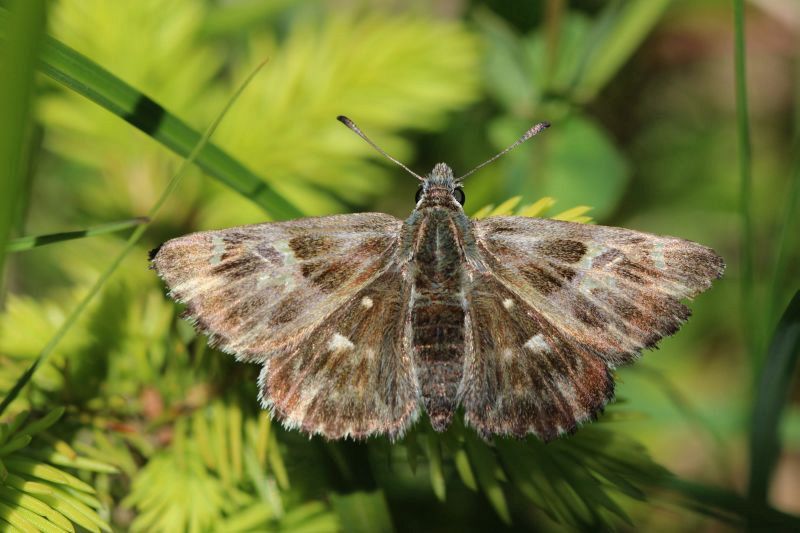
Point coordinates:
pixel 343 119
pixel 538 128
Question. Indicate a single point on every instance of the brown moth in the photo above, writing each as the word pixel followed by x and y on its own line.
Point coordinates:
pixel 359 320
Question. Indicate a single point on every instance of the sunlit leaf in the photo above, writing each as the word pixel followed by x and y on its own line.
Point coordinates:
pixel 537 208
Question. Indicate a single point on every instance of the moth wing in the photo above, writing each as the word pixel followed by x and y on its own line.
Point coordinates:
pixel 260 288
pixel 554 306
pixel 353 376
pixel 523 374
pixel 321 302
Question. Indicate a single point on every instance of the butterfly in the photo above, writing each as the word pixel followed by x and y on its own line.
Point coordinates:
pixel 362 321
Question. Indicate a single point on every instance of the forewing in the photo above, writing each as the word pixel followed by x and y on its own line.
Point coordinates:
pixel 581 299
pixel 258 289
pixel 353 376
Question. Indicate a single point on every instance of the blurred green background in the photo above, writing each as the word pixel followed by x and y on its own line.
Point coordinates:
pixel 130 422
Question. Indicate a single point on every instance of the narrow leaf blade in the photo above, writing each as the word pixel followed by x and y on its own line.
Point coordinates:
pixel 771 396
pixel 18 59
pixel 34 241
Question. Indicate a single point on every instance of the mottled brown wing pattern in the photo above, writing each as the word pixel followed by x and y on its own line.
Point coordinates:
pixel 555 305
pixel 320 302
pixel 258 289
pixel 523 374
pixel 353 377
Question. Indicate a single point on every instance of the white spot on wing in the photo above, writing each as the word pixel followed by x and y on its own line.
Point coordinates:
pixel 286 252
pixel 537 343
pixel 286 282
pixel 593 251
pixel 340 342
pixel 283 276
pixel 366 301
pixel 658 256
pixel 508 303
pixel 218 248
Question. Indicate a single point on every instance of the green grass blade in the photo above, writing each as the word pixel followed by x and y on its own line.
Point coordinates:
pixel 18 59
pixel 34 241
pixel 773 391
pixel 129 245
pixel 82 75
pixel 788 239
pixel 749 317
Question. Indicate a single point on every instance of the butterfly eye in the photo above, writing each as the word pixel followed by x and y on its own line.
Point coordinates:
pixel 418 195
pixel 458 193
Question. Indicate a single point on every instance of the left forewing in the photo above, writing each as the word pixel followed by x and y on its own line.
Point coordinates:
pixel 256 290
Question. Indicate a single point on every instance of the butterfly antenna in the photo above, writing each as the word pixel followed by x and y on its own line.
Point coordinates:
pixel 352 125
pixel 538 128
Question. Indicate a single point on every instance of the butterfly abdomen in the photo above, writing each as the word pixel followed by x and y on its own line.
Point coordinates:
pixel 437 315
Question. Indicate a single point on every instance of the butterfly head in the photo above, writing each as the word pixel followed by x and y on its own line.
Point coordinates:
pixel 440 188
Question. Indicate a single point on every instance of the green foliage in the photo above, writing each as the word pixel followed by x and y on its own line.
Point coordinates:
pixel 230 464
pixel 165 434
pixel 268 129
pixel 580 164
pixel 88 79
pixel 76 313
pixel 36 491
pixel 426 68
pixel 575 481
